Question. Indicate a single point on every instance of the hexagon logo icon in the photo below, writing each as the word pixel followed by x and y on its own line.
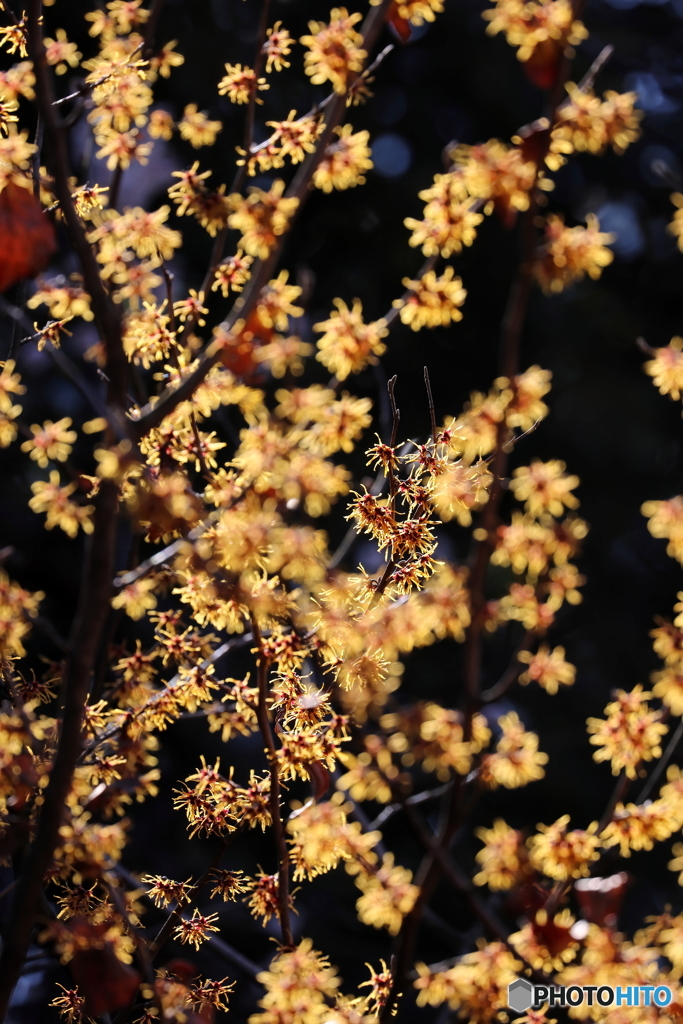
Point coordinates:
pixel 520 995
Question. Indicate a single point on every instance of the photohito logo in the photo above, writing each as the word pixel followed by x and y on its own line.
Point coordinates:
pixel 522 995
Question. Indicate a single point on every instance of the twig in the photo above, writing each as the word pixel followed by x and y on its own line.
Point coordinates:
pixel 430 399
pixel 393 488
pixel 259 61
pixel 661 764
pixel 510 677
pixel 618 794
pixel 271 752
pixel 596 67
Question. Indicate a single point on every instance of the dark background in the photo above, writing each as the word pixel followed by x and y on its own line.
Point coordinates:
pixel 606 419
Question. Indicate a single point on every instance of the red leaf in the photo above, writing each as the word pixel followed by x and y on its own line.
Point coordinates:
pixel 103 980
pixel 543 66
pixel 27 237
pixel 600 899
pixel 401 27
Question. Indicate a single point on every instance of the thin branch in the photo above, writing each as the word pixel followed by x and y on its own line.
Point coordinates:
pixel 596 67
pixel 271 752
pixel 661 764
pixel 393 487
pixel 259 61
pixel 430 399
pixel 510 677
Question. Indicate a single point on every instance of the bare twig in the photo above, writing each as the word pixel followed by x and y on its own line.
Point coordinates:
pixel 596 67
pixel 430 399
pixel 278 826
pixel 510 677
pixel 661 764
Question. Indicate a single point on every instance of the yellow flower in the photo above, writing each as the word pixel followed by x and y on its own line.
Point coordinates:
pixel 669 688
pixel 501 859
pixel 476 986
pixel 544 487
pixel 570 253
pixel 17 81
pixel 666 368
pixel 348 344
pixel 449 220
pixel 547 668
pixel 666 520
pixel 196 929
pixel 127 14
pixel 63 300
pixel 232 274
pixel 636 827
pixel 587 123
pixel 165 59
pixel 460 490
pixel 8 428
pixel 562 854
pixel 434 300
pixel 528 389
pixel 630 734
pixel 196 128
pixel 277 46
pixel 496 173
pixel 419 11
pixel 261 218
pixel 517 759
pixel 160 124
pixel 344 161
pixel 388 895
pixel 10 384
pixel 61 512
pixel 120 148
pixel 334 50
pixel 51 441
pixel 529 943
pixel 297 984
pixel 137 598
pixel 527 25
pixel 61 53
pixel 240 84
